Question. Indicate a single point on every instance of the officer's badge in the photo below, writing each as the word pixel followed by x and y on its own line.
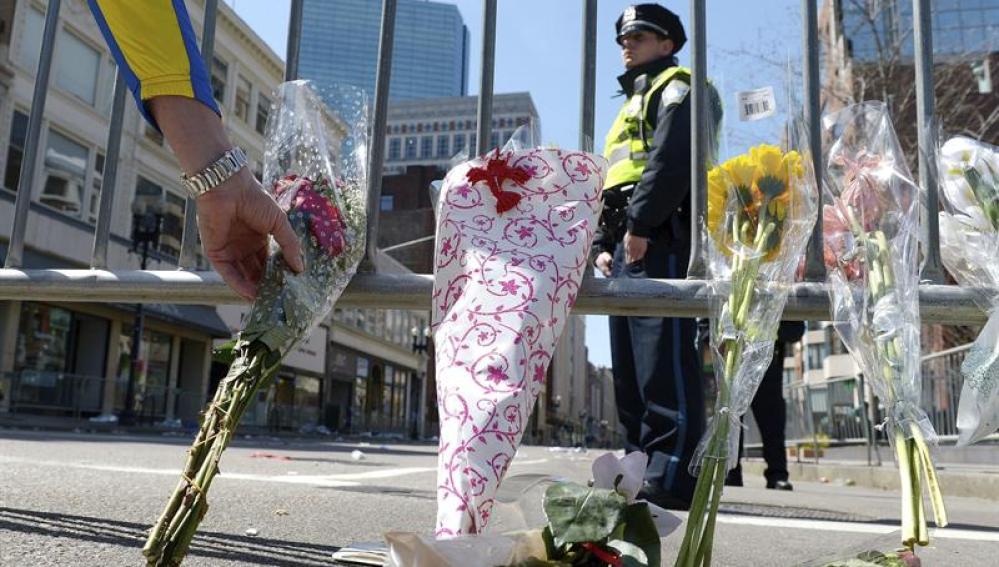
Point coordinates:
pixel 629 14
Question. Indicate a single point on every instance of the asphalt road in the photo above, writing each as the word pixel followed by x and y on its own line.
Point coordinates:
pixel 86 500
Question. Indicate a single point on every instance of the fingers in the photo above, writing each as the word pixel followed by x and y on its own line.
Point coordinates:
pixel 286 238
pixel 234 277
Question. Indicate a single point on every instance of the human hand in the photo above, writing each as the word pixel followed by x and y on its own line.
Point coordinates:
pixel 634 247
pixel 604 263
pixel 235 220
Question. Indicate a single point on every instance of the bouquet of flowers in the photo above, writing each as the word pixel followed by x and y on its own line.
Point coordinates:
pixel 969 244
pixel 325 202
pixel 513 229
pixel 585 526
pixel 762 206
pixel 870 223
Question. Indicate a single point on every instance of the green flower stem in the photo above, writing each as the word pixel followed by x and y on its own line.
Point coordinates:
pixel 171 538
pixel 695 551
pixel 914 460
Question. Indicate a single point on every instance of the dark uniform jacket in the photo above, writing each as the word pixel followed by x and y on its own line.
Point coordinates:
pixel 660 202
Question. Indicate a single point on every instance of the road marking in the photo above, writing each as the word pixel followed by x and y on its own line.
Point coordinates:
pixel 853 527
pixel 329 480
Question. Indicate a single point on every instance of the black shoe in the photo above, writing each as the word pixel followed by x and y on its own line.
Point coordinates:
pixel 780 485
pixel 662 498
pixel 733 478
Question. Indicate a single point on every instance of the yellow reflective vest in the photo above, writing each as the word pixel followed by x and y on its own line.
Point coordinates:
pixel 626 146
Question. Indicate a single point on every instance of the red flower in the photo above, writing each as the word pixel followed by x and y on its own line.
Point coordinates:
pixel 494 173
pixel 325 222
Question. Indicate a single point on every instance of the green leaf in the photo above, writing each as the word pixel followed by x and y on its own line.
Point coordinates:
pixel 225 353
pixel 640 530
pixel 631 554
pixel 578 513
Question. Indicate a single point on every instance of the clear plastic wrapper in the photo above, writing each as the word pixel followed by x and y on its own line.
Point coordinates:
pixel 513 230
pixel 543 520
pixel 877 552
pixel 969 245
pixel 762 206
pixel 870 221
pixel 314 164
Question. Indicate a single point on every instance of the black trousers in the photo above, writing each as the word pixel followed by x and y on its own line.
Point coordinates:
pixel 657 376
pixel 770 413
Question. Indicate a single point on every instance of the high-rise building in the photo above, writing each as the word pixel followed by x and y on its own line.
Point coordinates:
pixel 429 59
pixel 432 131
pixel 876 29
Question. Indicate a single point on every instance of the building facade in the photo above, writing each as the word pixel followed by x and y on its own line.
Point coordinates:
pixel 75 360
pixel 430 132
pixel 961 28
pixel 429 59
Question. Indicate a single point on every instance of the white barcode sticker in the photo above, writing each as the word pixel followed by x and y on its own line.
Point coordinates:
pixel 756 104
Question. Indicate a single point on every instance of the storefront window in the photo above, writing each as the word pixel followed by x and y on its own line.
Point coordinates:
pixel 153 376
pixel 306 400
pixel 43 338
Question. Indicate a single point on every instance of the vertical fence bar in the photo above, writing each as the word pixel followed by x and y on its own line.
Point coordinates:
pixel 486 80
pixel 99 259
pixel 698 141
pixel 815 269
pixel 26 181
pixel 294 41
pixel 376 149
pixel 926 126
pixel 189 240
pixel 587 102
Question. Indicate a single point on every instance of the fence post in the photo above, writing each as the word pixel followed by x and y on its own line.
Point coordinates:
pixel 189 238
pixel 815 269
pixel 26 181
pixel 589 77
pixel 485 118
pixel 926 130
pixel 376 149
pixel 697 267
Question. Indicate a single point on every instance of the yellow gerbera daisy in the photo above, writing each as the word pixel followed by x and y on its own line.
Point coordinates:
pixel 718 191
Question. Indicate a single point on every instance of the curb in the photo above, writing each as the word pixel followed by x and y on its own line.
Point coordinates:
pixel 952 483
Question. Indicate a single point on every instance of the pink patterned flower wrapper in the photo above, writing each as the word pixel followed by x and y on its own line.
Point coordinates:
pixel 504 285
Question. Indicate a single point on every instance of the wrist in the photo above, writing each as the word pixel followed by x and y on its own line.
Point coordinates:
pixel 221 170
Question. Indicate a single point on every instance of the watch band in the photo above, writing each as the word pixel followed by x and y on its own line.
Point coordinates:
pixel 215 174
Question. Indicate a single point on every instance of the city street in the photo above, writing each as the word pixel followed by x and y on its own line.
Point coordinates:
pixel 87 499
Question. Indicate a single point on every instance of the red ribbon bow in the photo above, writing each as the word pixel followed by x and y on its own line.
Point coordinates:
pixel 495 171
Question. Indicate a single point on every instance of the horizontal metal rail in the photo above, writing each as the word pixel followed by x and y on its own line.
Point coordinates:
pixel 683 298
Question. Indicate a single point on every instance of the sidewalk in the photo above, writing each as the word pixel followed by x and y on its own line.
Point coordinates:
pixel 30 422
pixel 956 479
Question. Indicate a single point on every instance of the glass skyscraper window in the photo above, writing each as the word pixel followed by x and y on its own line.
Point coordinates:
pixel 960 28
pixel 430 55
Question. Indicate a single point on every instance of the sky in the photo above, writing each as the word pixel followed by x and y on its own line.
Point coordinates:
pixel 539 50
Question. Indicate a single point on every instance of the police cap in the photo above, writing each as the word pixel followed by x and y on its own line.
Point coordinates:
pixel 651 17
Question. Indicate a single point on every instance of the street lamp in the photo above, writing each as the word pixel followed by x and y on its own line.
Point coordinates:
pixel 147 222
pixel 421 347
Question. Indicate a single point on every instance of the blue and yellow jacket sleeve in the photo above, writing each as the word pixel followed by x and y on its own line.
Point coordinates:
pixel 155 48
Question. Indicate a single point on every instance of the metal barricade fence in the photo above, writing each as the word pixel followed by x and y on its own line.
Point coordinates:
pixel 843 411
pixel 649 297
pixel 79 396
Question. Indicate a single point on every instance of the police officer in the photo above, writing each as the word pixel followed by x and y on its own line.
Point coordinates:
pixel 770 413
pixel 645 233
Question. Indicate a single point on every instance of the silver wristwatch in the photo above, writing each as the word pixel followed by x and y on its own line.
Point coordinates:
pixel 215 174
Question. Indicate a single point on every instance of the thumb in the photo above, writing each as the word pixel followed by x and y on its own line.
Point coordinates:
pixel 284 234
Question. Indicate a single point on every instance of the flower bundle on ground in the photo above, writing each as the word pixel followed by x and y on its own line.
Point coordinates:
pixel 969 245
pixel 762 206
pixel 513 231
pixel 870 224
pixel 326 206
